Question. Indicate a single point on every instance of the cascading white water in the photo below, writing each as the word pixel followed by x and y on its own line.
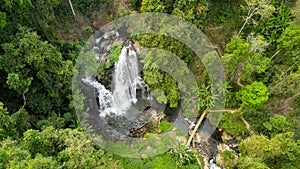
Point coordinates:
pixel 126 81
pixel 106 101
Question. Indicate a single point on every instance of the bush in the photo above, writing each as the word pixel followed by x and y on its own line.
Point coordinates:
pixel 254 95
pixel 279 151
pixel 233 125
pixel 276 124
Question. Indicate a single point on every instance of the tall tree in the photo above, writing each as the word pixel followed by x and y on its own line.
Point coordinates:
pixel 36 70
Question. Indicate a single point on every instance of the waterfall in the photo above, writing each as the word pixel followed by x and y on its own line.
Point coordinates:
pixel 127 80
pixel 125 84
pixel 106 101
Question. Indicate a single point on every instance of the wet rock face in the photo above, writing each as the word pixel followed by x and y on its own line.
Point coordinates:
pixel 147 120
pixel 121 124
pixel 225 136
pixel 141 130
pixel 228 145
pixel 207 148
pixel 138 127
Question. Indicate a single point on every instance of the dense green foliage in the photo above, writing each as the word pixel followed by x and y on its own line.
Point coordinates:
pixel 37 70
pixel 40 41
pixel 254 95
pixel 278 152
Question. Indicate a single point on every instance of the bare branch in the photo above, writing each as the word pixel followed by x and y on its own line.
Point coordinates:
pixel 24 99
pixel 198 161
pixel 276 53
pixel 248 126
pixel 239 82
pixel 196 127
pixel 72 7
pixel 218 50
pixel 293 97
pixel 229 111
